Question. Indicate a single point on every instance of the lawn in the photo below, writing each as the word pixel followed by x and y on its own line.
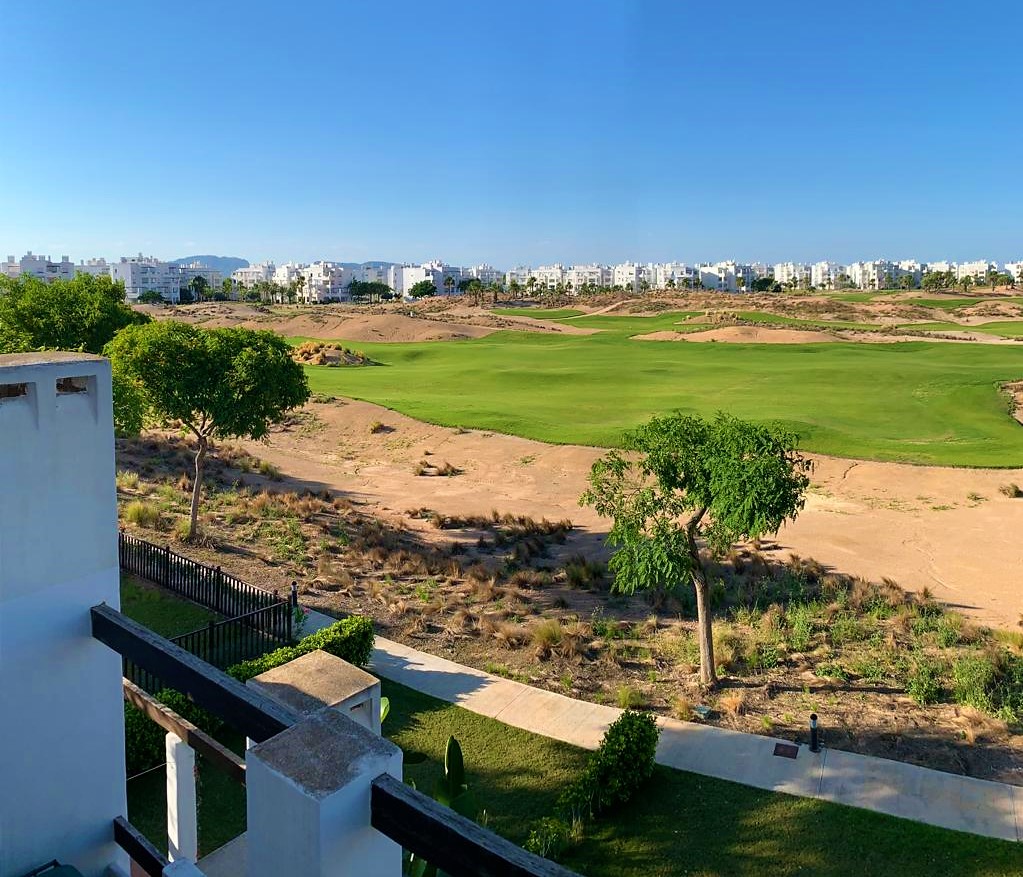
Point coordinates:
pixel 682 823
pixel 160 610
pixel 920 402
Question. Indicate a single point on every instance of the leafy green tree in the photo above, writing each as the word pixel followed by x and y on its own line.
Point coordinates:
pixel 422 289
pixel 682 479
pixel 218 383
pixel 79 314
pixel 150 297
pixel 966 283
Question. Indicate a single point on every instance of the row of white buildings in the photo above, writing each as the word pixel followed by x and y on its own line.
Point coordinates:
pixel 330 281
pixel 325 281
pixel 736 277
pixel 138 273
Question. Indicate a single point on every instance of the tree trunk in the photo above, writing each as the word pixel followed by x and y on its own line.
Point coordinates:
pixel 200 459
pixel 708 674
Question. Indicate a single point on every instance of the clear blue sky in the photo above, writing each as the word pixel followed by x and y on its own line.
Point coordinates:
pixel 513 133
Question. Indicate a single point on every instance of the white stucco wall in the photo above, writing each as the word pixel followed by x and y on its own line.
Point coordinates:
pixel 61 734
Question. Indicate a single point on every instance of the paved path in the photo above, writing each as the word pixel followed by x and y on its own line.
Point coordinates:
pixel 892 787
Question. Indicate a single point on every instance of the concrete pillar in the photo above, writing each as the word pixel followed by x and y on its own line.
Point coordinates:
pixel 182 813
pixel 308 793
pixel 319 679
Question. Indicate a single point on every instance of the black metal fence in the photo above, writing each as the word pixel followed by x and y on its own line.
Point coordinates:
pixel 258 621
pixel 208 586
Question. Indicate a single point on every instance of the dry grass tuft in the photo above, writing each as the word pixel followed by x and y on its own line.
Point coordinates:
pixel 732 702
pixel 546 636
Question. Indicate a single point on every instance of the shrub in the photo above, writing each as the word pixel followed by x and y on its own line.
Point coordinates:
pixel 624 760
pixel 924 681
pixel 143 514
pixel 548 838
pixel 127 480
pixel 622 763
pixel 800 623
pixel 1011 490
pixel 143 741
pixel 350 639
pixel 269 470
pixel 973 677
pixel 628 697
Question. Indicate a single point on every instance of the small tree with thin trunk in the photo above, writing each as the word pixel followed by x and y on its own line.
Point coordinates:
pixel 218 383
pixel 684 479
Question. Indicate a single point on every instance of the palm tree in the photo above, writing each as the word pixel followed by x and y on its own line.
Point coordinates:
pixel 449 283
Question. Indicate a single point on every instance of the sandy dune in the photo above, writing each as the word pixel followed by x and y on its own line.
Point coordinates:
pixel 361 323
pixel 950 530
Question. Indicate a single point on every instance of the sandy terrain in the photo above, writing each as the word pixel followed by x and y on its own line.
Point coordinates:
pixel 949 530
pixel 743 335
pixel 361 323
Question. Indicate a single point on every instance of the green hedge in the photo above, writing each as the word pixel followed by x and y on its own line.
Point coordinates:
pixel 144 745
pixel 350 639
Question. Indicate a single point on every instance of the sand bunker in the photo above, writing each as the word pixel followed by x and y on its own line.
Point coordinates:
pixel 743 335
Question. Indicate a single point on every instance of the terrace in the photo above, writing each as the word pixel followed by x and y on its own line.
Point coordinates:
pixel 310 773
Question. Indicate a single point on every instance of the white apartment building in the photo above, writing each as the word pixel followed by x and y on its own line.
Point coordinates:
pixel 288 273
pixel 720 276
pixel 627 276
pixel 934 267
pixel 214 279
pixel 1015 270
pixel 977 270
pixel 141 274
pixel 373 274
pixel 549 276
pixel 673 274
pixel 261 273
pixel 588 275
pixel 325 282
pixel 824 275
pixel 792 274
pixel 519 275
pixel 45 268
pixel 909 268
pixel 875 274
pixel 485 274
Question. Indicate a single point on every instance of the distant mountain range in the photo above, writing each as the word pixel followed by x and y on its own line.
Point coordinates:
pixel 224 264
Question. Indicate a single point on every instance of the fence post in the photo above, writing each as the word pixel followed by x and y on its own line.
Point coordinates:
pixel 166 565
pixel 294 595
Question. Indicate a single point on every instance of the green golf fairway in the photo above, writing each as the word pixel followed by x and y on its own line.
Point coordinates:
pixel 920 402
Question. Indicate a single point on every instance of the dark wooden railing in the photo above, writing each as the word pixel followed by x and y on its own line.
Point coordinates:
pixel 442 837
pixel 208 586
pixel 213 751
pixel 138 848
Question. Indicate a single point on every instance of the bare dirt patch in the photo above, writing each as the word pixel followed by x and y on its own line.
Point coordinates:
pixel 527 596
pixel 743 335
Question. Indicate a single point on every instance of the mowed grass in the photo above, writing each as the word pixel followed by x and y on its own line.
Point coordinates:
pixel 681 823
pixel 1001 328
pixel 920 402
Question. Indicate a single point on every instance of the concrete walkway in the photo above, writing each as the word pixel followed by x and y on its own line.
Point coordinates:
pixel 891 787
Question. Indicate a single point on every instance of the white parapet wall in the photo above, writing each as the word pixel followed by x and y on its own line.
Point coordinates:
pixel 62 775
